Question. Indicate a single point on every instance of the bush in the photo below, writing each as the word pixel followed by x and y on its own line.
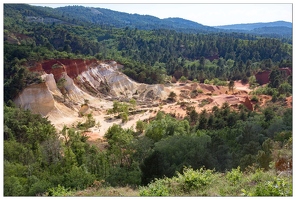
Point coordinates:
pixel 203 103
pixel 183 79
pixel 39 188
pixel 124 117
pixel 13 186
pixel 194 180
pixel 276 187
pixel 234 176
pixel 254 98
pixel 140 126
pixel 156 188
pixel 59 191
pixel 188 182
pixel 200 91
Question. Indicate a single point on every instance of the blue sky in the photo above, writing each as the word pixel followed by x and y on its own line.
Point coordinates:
pixel 211 14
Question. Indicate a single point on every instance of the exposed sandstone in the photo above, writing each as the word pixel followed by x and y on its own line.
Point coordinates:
pixel 37 98
pixel 84 79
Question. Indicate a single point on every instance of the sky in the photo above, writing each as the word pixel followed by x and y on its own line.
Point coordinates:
pixel 210 13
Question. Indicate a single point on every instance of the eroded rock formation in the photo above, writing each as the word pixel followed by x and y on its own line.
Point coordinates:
pixel 263 77
pixel 70 82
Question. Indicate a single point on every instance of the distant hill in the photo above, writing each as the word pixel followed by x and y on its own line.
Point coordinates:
pixel 270 29
pixel 252 26
pixel 78 15
pixel 120 19
pixel 147 22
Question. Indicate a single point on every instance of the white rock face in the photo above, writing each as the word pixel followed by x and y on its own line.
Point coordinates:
pixel 40 98
pixel 119 84
pixel 37 98
pixel 51 84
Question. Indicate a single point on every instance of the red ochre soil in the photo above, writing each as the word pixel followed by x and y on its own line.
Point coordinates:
pixel 73 67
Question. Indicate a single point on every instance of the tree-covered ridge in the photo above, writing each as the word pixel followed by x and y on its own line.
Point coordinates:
pixel 252 26
pixel 85 15
pixel 196 56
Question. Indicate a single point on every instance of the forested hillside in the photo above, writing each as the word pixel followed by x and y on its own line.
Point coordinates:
pixel 249 151
pixel 253 26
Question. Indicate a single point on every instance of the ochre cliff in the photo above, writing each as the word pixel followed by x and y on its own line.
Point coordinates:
pixel 72 67
pixel 263 77
pixel 97 78
pixel 37 98
pixel 67 83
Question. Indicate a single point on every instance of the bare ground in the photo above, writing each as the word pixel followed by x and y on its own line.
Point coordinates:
pixel 211 96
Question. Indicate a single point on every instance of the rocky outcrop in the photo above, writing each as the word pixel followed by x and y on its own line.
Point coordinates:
pixel 233 100
pixel 36 98
pixel 248 103
pixel 263 77
pixel 72 67
pixel 70 82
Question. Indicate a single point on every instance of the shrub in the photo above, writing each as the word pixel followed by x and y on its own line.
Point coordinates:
pixel 183 79
pixel 203 103
pixel 234 176
pixel 192 180
pixel 276 187
pixel 156 188
pixel 254 98
pixel 59 191
pixel 124 117
pixel 140 126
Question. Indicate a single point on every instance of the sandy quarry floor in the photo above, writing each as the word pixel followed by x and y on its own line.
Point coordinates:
pixel 100 107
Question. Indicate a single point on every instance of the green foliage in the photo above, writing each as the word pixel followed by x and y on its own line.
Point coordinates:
pixel 23 126
pixel 203 103
pixel 266 91
pixel 55 66
pixel 216 81
pixel 254 98
pixel 252 82
pixel 234 176
pixel 175 152
pixel 133 103
pixel 13 186
pixel 275 187
pixel 183 79
pixel 172 96
pixel 140 126
pixel 39 188
pixel 156 188
pixel 77 178
pixel 181 184
pixel 195 179
pixel 231 85
pixel 89 122
pixel 285 88
pixel 59 191
pixel 166 126
pixel 35 159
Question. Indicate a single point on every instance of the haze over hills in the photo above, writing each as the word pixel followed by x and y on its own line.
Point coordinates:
pixel 252 26
pixel 101 16
pixel 147 22
pixel 279 27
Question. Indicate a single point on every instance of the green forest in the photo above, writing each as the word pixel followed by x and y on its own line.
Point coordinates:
pixel 224 152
